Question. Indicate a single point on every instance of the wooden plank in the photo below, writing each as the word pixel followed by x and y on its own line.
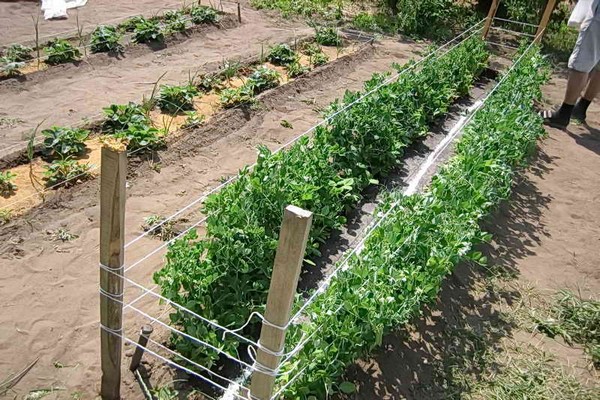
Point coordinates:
pixel 284 282
pixel 545 19
pixel 112 242
pixel 490 18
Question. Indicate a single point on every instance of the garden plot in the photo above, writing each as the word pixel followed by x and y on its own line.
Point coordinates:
pixel 75 95
pixel 192 165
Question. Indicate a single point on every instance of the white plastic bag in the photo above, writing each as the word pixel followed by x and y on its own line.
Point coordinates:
pixel 581 12
pixel 54 9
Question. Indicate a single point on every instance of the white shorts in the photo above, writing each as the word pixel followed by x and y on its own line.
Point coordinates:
pixel 586 54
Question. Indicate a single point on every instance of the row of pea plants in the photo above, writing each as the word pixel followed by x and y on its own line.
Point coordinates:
pixel 108 38
pixel 225 275
pixel 405 260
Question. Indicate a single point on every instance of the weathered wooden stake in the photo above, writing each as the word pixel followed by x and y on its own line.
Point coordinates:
pixel 284 282
pixel 112 227
pixel 139 350
pixel 239 10
pixel 490 18
pixel 545 19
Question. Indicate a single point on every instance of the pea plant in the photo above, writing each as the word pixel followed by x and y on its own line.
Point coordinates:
pixel 59 51
pixel 66 172
pixel 404 261
pixel 175 99
pixel 282 54
pixel 225 275
pixel 63 142
pixel 147 31
pixel 7 185
pixel 203 15
pixel 106 38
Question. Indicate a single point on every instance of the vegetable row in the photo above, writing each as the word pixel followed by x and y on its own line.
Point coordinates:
pixel 424 236
pixel 225 275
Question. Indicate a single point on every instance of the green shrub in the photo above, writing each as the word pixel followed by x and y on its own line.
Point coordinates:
pixel 380 22
pixel 147 30
pixel 203 14
pixel 18 53
pixel 282 54
pixel 140 137
pixel 119 117
pixel 175 99
pixel 263 78
pixel 64 142
pixel 105 38
pixel 7 185
pixel 327 36
pixel 66 172
pixel 296 69
pixel 59 51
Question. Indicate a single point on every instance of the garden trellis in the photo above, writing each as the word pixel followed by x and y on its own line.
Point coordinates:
pixel 257 368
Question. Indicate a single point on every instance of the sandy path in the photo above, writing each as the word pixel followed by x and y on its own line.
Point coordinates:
pixel 48 290
pixel 16 23
pixel 80 93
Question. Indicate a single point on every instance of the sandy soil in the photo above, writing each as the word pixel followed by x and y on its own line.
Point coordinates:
pixel 547 234
pixel 72 94
pixel 16 24
pixel 49 289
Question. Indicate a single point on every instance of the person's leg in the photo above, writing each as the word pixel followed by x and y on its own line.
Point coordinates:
pixel 585 57
pixel 592 90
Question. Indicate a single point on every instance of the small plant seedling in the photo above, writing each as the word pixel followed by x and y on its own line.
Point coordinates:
pixel 142 137
pixel 10 68
pixel 19 53
pixel 66 173
pixel 176 21
pixel 6 183
pixel 120 116
pixel 165 232
pixel 129 24
pixel 105 38
pixel 193 119
pixel 233 97
pixel 59 51
pixel 296 69
pixel 319 59
pixel 209 82
pixel 286 124
pixel 263 78
pixel 5 216
pixel 64 142
pixel 63 235
pixel 282 54
pixel 230 69
pixel 203 14
pixel 327 36
pixel 175 99
pixel 148 30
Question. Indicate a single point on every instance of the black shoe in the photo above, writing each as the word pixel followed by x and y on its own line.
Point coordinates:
pixel 579 112
pixel 555 119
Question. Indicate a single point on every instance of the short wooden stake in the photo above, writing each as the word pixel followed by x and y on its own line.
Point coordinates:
pixel 490 18
pixel 139 349
pixel 112 241
pixel 284 282
pixel 545 19
pixel 239 10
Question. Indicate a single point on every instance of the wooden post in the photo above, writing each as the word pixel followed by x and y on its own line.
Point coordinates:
pixel 284 282
pixel 490 18
pixel 545 19
pixel 139 350
pixel 239 10
pixel 112 241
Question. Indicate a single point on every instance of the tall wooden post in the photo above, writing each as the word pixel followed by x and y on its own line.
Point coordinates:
pixel 284 282
pixel 545 19
pixel 490 18
pixel 112 241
